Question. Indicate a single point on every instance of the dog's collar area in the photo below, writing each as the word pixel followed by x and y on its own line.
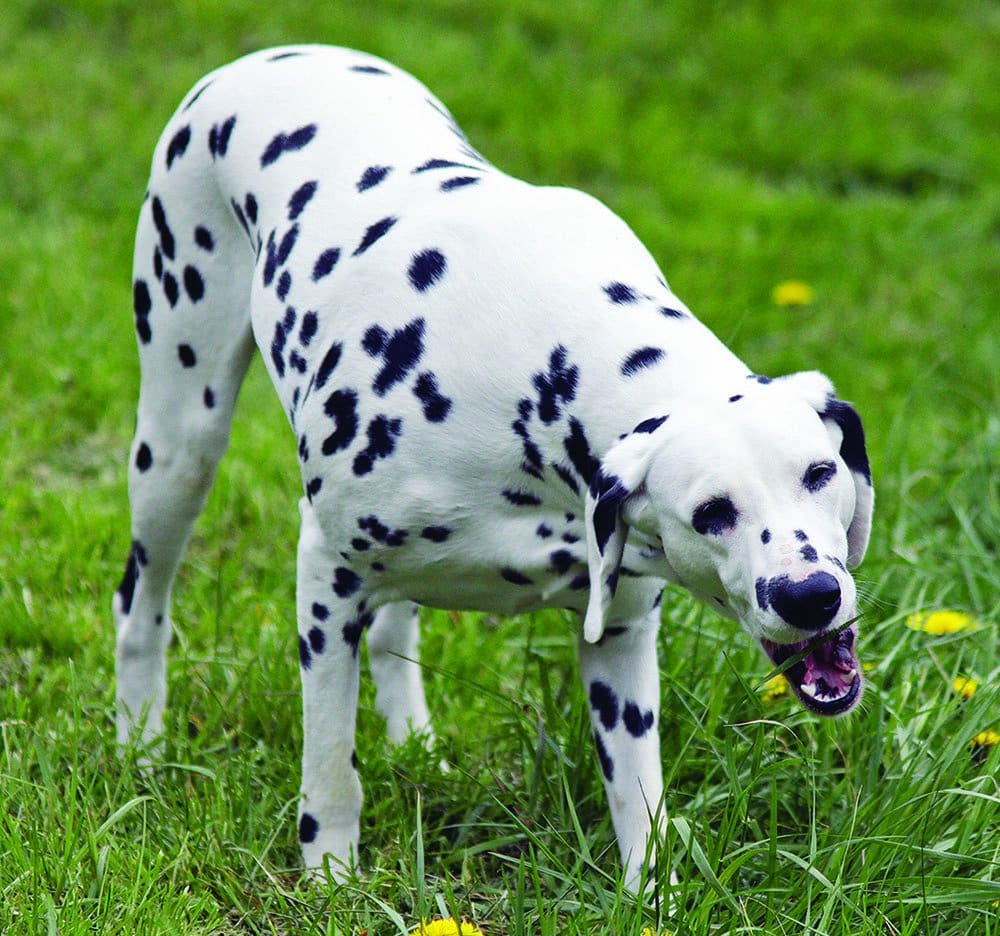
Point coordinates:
pixel 827 678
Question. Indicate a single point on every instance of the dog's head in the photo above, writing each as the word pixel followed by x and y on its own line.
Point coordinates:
pixel 758 503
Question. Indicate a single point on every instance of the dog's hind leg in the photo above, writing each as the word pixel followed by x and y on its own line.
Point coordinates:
pixel 192 266
pixel 393 648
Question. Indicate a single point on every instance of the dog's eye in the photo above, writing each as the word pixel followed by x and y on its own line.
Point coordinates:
pixel 818 475
pixel 715 516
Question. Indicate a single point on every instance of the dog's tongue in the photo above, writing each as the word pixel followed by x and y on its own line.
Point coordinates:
pixel 827 679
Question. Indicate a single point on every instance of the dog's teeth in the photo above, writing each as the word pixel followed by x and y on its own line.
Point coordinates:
pixel 810 689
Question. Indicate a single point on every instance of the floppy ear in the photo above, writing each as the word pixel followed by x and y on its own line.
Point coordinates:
pixel 844 425
pixel 619 480
pixel 845 418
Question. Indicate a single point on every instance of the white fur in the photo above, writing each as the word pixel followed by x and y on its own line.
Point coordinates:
pixel 526 271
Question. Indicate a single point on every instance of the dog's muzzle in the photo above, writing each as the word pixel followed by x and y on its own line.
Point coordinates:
pixel 826 677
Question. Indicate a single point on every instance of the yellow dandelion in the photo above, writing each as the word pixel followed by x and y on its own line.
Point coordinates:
pixel 940 622
pixel 985 739
pixel 793 293
pixel 965 686
pixel 981 745
pixel 446 928
pixel 774 688
pixel 649 931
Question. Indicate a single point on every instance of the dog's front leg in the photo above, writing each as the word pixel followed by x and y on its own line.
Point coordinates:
pixel 332 615
pixel 622 681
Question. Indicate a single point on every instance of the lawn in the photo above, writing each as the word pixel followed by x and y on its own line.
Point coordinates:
pixel 852 147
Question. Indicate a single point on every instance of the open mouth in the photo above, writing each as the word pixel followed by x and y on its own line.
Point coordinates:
pixel 826 675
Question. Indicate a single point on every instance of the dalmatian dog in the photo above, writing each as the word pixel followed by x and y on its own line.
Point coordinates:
pixel 498 403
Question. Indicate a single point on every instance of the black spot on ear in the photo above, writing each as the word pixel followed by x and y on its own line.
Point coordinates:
pixel 609 493
pixel 852 447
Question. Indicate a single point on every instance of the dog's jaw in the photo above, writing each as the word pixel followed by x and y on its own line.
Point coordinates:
pixel 827 676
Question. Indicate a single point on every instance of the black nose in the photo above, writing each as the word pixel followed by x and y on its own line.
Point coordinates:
pixel 808 605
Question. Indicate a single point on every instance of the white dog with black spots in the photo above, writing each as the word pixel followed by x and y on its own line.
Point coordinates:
pixel 498 404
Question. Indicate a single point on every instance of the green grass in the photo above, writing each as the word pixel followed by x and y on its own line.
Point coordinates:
pixel 852 146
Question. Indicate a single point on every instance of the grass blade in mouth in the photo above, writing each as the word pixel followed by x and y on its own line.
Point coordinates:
pixel 811 645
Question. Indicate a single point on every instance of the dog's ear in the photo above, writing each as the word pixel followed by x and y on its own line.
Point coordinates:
pixel 617 491
pixel 844 425
pixel 843 419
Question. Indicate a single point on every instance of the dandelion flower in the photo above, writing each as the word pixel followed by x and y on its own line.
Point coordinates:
pixel 774 688
pixel 982 744
pixel 965 686
pixel 985 739
pixel 940 622
pixel 793 293
pixel 446 928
